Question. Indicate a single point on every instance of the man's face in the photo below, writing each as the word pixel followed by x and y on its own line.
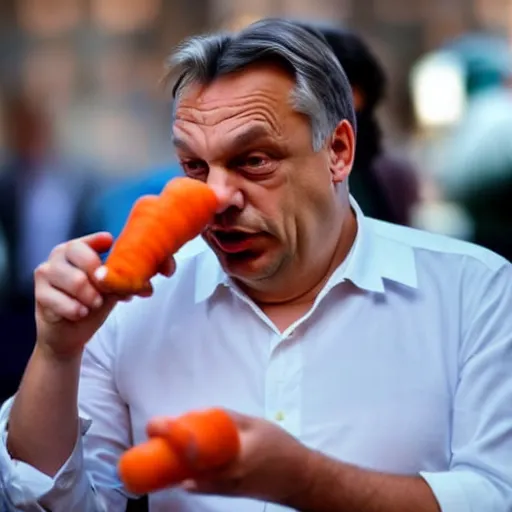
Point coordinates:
pixel 241 135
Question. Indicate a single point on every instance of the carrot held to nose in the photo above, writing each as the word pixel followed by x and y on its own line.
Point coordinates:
pixel 210 438
pixel 157 227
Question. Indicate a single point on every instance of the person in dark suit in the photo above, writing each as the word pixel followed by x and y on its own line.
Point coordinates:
pixel 43 201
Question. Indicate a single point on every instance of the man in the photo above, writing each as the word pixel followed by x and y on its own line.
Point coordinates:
pixel 367 365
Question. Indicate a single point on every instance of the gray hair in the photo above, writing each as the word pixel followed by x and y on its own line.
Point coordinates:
pixel 322 90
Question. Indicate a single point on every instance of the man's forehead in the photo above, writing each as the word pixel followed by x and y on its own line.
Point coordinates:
pixel 268 83
pixel 231 109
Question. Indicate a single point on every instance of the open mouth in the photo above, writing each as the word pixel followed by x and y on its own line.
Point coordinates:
pixel 233 241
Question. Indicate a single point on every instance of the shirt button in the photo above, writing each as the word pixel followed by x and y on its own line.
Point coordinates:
pixel 279 416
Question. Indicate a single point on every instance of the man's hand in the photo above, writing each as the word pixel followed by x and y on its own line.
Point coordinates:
pixel 70 307
pixel 272 465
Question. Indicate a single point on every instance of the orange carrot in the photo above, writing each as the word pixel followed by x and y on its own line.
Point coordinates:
pixel 211 435
pixel 157 227
pixel 151 466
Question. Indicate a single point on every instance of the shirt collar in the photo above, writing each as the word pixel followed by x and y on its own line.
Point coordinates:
pixel 374 257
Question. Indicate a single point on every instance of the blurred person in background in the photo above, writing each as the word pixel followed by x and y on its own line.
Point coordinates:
pixel 43 199
pixel 474 164
pixel 386 187
pixel 43 194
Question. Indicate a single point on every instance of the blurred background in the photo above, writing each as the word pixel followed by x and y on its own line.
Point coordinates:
pixel 85 123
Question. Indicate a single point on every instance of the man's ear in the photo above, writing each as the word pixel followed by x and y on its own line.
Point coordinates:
pixel 342 148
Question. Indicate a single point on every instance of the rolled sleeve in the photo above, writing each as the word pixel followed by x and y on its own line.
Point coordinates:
pixel 88 481
pixel 464 491
pixel 480 473
pixel 24 488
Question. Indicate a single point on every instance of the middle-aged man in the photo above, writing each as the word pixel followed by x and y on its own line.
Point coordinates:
pixel 367 364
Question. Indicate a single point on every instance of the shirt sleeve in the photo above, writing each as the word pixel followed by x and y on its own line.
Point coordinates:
pixel 480 475
pixel 26 489
pixel 88 480
pixel 110 433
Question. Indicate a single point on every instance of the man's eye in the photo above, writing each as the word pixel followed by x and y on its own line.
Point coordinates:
pixel 194 167
pixel 255 161
pixel 255 165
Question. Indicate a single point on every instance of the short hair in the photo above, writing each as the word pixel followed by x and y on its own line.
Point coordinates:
pixel 322 91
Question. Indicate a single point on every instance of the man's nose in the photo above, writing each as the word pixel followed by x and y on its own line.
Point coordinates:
pixel 226 186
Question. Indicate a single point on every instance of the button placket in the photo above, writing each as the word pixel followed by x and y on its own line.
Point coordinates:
pixel 291 396
pixel 273 382
pixel 283 385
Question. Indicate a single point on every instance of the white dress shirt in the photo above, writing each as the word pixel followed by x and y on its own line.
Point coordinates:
pixel 403 365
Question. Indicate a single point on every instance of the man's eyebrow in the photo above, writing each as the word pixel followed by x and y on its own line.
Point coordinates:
pixel 241 140
pixel 247 137
pixel 180 144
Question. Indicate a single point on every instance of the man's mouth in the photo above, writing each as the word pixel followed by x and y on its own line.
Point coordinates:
pixel 233 241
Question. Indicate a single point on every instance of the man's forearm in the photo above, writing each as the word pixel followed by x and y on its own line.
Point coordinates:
pixel 43 422
pixel 332 486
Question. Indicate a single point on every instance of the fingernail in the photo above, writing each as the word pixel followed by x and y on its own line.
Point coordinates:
pixel 98 302
pixel 83 311
pixel 100 273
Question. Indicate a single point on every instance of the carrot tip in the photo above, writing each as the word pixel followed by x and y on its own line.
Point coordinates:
pixel 100 273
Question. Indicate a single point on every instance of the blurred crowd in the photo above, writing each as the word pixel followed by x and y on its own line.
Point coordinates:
pixel 68 168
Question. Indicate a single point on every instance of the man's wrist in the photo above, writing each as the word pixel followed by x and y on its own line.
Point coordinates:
pixel 45 352
pixel 307 476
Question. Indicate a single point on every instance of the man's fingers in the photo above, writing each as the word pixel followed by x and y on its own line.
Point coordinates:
pixel 158 427
pixel 212 483
pixel 83 257
pixel 56 305
pixel 190 486
pixel 99 242
pixel 179 437
pixel 241 420
pixel 147 291
pixel 168 267
pixel 75 283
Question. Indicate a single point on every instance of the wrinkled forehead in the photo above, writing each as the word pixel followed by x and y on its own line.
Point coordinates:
pixel 258 95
